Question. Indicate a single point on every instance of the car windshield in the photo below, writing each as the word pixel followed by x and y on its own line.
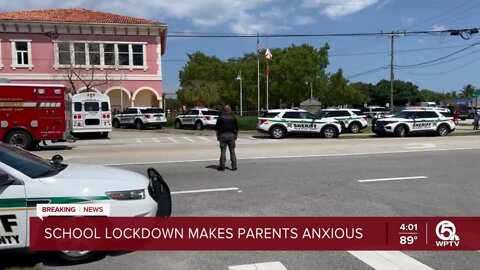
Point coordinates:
pixel 25 162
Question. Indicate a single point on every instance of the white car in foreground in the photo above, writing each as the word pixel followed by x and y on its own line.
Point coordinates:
pixel 27 180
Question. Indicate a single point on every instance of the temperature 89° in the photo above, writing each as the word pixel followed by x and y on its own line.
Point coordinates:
pixel 409 227
pixel 408 240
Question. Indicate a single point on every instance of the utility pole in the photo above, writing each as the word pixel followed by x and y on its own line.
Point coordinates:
pixel 392 76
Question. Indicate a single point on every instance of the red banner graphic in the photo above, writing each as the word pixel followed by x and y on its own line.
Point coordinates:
pixel 255 233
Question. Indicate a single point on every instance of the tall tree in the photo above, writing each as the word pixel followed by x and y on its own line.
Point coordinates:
pixel 467 91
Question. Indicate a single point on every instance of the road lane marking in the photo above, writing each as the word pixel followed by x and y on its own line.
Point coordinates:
pixel 419 146
pixel 138 140
pixel 392 260
pixel 205 190
pixel 296 156
pixel 203 138
pixel 259 266
pixel 188 139
pixel 392 179
pixel 156 140
pixel 172 140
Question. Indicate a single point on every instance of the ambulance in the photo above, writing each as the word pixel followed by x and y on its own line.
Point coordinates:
pixel 31 113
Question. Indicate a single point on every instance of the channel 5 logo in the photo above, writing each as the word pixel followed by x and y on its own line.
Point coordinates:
pixel 447 233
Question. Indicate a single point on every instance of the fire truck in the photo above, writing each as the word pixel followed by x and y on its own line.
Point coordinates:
pixel 31 113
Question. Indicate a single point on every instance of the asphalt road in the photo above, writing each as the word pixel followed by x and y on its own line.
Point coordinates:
pixel 300 177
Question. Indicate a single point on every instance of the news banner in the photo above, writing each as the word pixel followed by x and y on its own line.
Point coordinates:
pixel 94 230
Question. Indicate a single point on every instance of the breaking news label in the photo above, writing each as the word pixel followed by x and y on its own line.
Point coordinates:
pixel 254 233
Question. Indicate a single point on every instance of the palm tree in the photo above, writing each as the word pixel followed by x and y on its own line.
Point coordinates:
pixel 468 91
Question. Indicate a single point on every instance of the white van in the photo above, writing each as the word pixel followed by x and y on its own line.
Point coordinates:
pixel 91 114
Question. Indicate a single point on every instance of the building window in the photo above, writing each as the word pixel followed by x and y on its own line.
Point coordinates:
pixel 64 53
pixel 79 52
pixel 21 54
pixel 94 54
pixel 137 51
pixel 123 55
pixel 109 54
pixel 102 55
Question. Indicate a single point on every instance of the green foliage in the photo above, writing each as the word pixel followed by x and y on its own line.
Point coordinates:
pixel 294 71
pixel 247 122
pixel 467 91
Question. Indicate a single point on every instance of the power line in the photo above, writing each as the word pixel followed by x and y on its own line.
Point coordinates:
pixel 438 59
pixel 227 35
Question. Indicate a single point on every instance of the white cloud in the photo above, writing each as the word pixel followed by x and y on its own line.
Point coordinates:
pixel 335 9
pixel 438 27
pixel 304 20
pixel 407 21
pixel 252 16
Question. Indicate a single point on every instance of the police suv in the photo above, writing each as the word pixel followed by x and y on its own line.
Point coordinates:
pixel 282 122
pixel 27 180
pixel 353 120
pixel 140 117
pixel 416 120
pixel 199 118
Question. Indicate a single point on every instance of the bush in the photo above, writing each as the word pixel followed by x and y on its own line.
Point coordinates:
pixel 247 122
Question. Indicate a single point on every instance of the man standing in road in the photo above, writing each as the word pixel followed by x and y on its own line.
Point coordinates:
pixel 227 131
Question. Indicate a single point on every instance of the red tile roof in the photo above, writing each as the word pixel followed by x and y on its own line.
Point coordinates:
pixel 73 15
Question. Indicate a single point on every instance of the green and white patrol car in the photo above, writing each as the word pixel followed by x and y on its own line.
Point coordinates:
pixel 140 117
pixel 27 180
pixel 416 120
pixel 353 120
pixel 280 123
pixel 199 118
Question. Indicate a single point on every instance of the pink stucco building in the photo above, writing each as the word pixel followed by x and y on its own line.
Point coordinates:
pixel 118 55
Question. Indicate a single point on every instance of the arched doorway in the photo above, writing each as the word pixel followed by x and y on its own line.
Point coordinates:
pixel 118 97
pixel 146 97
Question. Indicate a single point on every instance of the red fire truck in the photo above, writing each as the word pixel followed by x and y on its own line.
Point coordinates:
pixel 32 113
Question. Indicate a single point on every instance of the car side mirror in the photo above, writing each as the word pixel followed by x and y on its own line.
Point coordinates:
pixel 57 159
pixel 5 179
pixel 160 193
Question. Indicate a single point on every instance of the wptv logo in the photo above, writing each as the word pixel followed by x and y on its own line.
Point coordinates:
pixel 447 233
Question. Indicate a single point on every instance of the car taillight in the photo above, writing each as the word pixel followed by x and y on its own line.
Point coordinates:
pixel 104 116
pixel 263 121
pixel 147 116
pixel 207 118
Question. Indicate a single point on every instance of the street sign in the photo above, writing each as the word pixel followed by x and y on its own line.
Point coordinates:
pixel 476 93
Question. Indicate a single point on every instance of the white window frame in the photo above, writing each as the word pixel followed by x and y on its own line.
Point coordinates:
pixel 15 65
pixel 102 65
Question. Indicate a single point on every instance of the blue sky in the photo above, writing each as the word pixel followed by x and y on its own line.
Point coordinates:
pixel 354 55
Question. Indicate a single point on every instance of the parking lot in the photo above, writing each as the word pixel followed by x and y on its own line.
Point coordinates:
pixel 297 177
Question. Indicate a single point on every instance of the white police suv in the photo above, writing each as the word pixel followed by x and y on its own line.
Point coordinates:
pixel 280 123
pixel 27 180
pixel 416 120
pixel 353 120
pixel 198 118
pixel 140 117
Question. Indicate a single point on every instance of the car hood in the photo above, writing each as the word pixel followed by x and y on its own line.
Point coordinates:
pixel 96 175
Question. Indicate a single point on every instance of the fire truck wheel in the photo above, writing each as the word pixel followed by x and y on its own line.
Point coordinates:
pixel 19 138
